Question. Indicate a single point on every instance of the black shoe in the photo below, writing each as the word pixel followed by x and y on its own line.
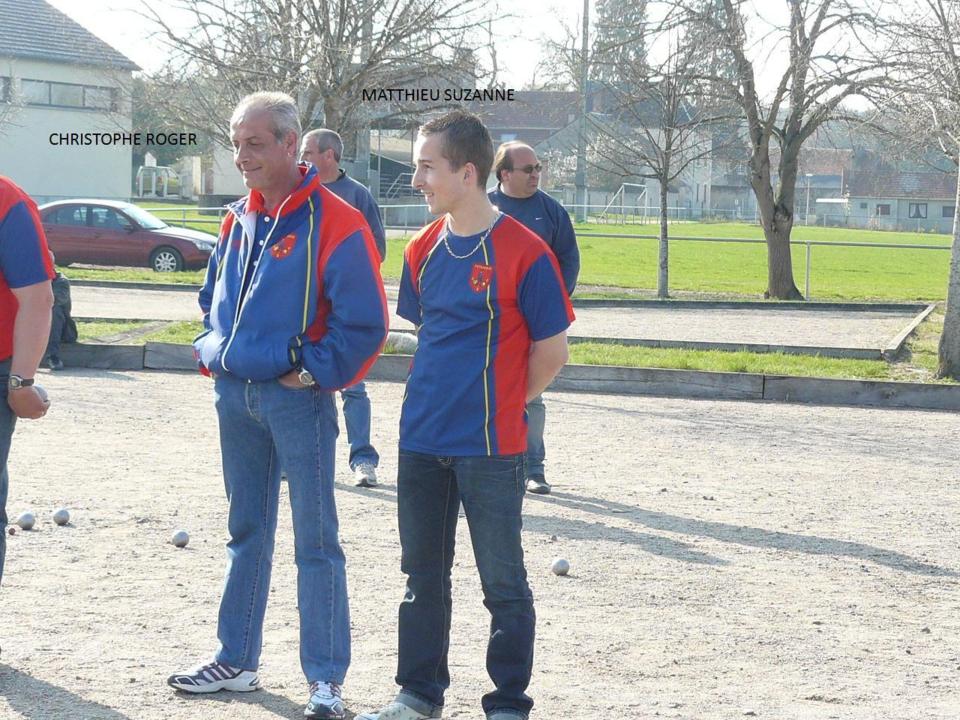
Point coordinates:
pixel 55 363
pixel 537 484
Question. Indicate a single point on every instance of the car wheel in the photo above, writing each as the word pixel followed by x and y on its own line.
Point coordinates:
pixel 166 259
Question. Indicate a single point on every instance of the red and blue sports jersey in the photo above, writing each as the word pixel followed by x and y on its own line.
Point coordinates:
pixel 466 393
pixel 24 257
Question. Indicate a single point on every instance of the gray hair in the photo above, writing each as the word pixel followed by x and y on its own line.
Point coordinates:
pixel 281 107
pixel 326 140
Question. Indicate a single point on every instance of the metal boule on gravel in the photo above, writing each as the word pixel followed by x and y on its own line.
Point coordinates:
pixel 180 538
pixel 61 516
pixel 27 520
pixel 560 566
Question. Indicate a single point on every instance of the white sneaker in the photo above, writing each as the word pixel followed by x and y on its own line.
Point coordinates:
pixel 396 711
pixel 326 702
pixel 365 475
pixel 214 676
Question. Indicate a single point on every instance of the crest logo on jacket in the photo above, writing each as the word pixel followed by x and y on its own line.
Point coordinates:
pixel 283 248
pixel 481 276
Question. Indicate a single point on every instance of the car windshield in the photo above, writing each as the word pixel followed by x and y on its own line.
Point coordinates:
pixel 143 218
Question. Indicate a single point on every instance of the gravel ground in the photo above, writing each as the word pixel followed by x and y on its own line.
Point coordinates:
pixel 781 327
pixel 729 560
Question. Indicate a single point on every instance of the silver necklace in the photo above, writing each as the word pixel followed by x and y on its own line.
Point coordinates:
pixel 486 234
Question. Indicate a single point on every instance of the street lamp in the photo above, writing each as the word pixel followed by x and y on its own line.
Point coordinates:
pixel 806 218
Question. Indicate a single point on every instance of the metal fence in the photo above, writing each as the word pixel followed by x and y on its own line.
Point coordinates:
pixel 186 215
pixel 807 244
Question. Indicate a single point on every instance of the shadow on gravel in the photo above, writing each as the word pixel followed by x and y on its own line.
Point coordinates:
pixel 39 700
pixel 743 535
pixel 277 704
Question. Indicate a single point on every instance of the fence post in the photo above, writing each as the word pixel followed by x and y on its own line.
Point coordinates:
pixel 807 295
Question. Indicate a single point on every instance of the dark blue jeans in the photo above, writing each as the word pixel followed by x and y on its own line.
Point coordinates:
pixel 7 422
pixel 429 492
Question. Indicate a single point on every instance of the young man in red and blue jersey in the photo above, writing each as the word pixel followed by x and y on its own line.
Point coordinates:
pixel 26 298
pixel 489 302
pixel 518 194
pixel 294 309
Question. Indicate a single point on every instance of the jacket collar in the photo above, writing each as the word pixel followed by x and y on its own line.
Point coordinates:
pixel 253 202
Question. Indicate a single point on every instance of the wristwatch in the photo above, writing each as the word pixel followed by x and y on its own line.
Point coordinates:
pixel 306 379
pixel 15 382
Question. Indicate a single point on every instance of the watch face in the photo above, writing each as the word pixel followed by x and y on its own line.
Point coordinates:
pixel 306 378
pixel 15 381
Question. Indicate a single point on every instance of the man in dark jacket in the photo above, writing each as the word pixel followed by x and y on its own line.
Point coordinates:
pixel 63 329
pixel 323 149
pixel 518 194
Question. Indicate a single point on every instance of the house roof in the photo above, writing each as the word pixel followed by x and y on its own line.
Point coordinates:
pixel 34 29
pixel 530 109
pixel 914 185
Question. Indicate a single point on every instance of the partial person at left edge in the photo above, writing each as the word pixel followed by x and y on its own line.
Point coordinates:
pixel 25 302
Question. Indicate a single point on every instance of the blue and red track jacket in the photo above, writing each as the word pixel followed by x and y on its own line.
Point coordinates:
pixel 315 297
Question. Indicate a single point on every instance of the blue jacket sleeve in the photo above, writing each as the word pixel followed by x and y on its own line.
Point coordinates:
pixel 565 249
pixel 24 258
pixel 357 319
pixel 206 292
pixel 371 212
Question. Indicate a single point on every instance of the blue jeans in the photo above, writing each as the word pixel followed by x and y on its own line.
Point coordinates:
pixel 7 422
pixel 264 426
pixel 536 420
pixel 429 492
pixel 356 416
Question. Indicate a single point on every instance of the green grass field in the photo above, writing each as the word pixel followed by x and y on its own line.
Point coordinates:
pixel 612 265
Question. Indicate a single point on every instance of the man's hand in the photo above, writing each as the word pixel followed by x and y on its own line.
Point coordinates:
pixel 27 403
pixel 292 380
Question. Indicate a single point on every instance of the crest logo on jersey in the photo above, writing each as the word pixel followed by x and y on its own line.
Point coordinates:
pixel 481 276
pixel 284 247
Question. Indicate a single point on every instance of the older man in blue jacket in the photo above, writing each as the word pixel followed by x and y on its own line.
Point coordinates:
pixel 294 309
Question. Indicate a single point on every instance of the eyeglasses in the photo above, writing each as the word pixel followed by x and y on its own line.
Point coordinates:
pixel 529 169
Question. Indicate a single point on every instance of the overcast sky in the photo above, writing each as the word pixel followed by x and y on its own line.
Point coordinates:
pixel 116 22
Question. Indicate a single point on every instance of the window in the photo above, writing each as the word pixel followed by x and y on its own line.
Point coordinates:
pixel 100 98
pixel 4 89
pixel 917 211
pixel 883 209
pixel 863 206
pixel 69 215
pixel 947 211
pixel 35 92
pixel 107 219
pixel 68 95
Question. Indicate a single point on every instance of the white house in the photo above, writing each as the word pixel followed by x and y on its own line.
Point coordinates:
pixel 63 104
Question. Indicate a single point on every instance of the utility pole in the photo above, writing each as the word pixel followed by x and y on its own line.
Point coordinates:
pixel 581 175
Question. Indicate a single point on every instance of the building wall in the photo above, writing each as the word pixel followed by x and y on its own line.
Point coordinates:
pixel 51 172
pixel 900 215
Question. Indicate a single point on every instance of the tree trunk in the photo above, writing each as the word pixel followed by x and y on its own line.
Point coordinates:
pixel 949 349
pixel 780 284
pixel 663 265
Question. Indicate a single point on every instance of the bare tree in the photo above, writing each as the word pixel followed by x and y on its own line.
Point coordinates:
pixel 830 57
pixel 925 107
pixel 10 103
pixel 323 52
pixel 661 124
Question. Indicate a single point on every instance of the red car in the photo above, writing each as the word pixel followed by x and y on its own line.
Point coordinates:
pixel 105 232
